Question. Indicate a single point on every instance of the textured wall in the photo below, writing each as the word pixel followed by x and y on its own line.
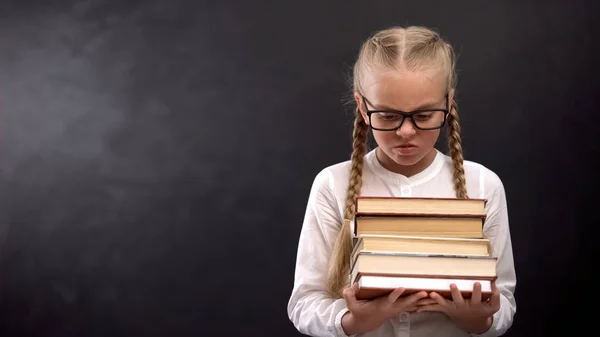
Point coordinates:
pixel 156 156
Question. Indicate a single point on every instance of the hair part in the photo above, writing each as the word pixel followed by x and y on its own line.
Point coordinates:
pixel 393 49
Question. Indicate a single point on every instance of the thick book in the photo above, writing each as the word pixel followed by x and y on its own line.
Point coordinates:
pixel 465 226
pixel 437 265
pixel 373 286
pixel 372 205
pixel 420 244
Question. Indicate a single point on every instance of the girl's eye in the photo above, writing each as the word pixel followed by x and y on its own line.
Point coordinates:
pixel 388 116
pixel 423 116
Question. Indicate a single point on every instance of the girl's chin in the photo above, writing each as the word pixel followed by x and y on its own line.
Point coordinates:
pixel 395 158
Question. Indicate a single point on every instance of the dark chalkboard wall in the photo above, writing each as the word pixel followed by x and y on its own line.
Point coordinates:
pixel 156 156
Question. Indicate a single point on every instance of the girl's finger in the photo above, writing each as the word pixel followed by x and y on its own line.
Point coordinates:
pixel 426 301
pixel 431 307
pixel 394 295
pixel 495 299
pixel 456 295
pixel 350 294
pixel 438 298
pixel 476 296
pixel 414 298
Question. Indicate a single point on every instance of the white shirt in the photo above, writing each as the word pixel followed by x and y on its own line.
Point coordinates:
pixel 314 312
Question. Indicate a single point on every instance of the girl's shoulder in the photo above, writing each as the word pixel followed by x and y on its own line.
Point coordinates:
pixel 333 179
pixel 486 181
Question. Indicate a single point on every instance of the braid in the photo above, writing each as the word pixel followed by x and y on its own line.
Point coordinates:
pixel 455 148
pixel 358 152
pixel 340 262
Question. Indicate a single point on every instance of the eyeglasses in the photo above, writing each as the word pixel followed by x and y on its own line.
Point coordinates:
pixel 391 120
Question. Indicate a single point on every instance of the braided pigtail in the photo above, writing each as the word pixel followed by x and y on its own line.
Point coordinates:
pixel 340 261
pixel 456 153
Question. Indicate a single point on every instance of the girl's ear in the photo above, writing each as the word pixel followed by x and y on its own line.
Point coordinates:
pixel 361 108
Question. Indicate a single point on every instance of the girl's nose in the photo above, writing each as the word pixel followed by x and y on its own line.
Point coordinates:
pixel 407 128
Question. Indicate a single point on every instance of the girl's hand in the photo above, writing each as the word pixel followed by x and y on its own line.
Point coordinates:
pixel 471 315
pixel 368 315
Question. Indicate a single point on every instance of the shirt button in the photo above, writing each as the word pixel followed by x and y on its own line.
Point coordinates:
pixel 405 191
pixel 404 317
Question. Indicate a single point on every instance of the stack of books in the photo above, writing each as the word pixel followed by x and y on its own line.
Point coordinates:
pixel 420 244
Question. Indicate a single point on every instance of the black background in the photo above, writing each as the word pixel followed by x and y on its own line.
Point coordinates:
pixel 157 155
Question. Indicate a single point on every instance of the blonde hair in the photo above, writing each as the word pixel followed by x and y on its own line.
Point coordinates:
pixel 396 48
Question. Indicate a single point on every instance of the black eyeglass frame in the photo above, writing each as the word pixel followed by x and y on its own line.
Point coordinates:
pixel 409 114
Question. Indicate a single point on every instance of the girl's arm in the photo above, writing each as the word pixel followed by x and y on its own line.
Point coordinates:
pixel 311 308
pixel 496 228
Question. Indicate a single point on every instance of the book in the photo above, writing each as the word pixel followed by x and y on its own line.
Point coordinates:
pixel 372 286
pixel 420 244
pixel 393 263
pixel 419 225
pixel 420 206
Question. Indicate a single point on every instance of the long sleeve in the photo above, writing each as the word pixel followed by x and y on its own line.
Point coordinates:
pixel 496 228
pixel 311 308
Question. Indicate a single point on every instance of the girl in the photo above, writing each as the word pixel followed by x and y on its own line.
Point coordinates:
pixel 398 71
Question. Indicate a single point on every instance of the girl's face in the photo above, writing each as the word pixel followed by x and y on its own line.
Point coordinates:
pixel 407 150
